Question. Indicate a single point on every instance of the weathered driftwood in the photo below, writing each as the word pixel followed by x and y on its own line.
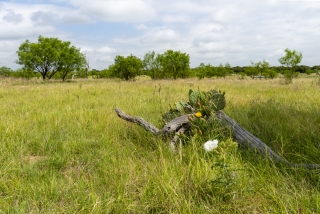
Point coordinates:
pixel 240 135
pixel 246 139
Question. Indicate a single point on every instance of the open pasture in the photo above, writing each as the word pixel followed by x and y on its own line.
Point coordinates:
pixel 64 150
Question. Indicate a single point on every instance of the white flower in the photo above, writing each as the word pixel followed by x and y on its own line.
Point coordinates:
pixel 210 145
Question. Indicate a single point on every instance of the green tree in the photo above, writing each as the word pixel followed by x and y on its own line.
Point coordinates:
pixel 202 70
pixel 257 69
pixel 175 64
pixel 50 55
pixel 238 69
pixel 26 74
pixel 290 60
pixel 223 71
pixel 212 71
pixel 126 68
pixel 251 70
pixel 71 59
pixel 271 73
pixel 5 71
pixel 152 64
pixel 106 73
pixel 263 68
pixel 94 73
pixel 228 68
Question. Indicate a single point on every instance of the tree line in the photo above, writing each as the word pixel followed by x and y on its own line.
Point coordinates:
pixel 51 58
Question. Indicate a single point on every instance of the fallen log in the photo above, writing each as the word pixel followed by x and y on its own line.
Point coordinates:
pixel 243 137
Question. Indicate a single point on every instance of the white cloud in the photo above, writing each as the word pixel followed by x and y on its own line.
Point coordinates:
pixel 12 17
pixel 209 31
pixel 75 17
pixel 163 35
pixel 44 17
pixel 106 49
pixel 117 10
pixel 99 57
pixel 141 27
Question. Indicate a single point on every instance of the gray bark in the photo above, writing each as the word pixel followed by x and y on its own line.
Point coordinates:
pixel 240 135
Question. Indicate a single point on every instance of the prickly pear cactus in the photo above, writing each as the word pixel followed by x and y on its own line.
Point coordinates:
pixel 204 102
pixel 216 99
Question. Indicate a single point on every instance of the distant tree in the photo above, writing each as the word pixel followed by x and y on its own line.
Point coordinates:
pixel 5 71
pixel 152 64
pixel 201 71
pixel 315 68
pixel 228 68
pixel 271 73
pixel 94 73
pixel 290 60
pixel 302 68
pixel 126 68
pixel 50 55
pixel 251 70
pixel 211 71
pixel 263 67
pixel 23 73
pixel 72 60
pixel 106 73
pixel 238 69
pixel 257 69
pixel 175 64
pixel 223 71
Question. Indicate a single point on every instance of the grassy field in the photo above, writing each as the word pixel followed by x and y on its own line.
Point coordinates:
pixel 64 150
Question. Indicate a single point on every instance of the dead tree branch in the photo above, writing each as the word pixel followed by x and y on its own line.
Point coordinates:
pixel 240 135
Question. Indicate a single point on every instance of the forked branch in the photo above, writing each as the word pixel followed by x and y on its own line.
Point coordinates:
pixel 240 135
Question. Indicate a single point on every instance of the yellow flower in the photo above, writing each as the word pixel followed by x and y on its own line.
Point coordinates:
pixel 198 114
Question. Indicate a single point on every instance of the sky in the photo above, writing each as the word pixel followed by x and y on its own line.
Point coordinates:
pixel 210 31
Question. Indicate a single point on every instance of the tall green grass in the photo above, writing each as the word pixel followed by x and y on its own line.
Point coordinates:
pixel 64 150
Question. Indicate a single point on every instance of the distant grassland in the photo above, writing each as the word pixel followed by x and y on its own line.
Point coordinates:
pixel 64 150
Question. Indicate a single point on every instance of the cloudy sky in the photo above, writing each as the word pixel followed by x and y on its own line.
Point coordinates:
pixel 210 31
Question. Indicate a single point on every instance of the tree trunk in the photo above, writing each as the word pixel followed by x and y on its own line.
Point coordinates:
pixel 240 135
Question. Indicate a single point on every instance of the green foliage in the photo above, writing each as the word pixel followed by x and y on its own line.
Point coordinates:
pixel 105 73
pixel 251 71
pixel 23 73
pixel 152 64
pixel 225 180
pixel 223 71
pixel 175 64
pixel 202 70
pixel 308 71
pixel 94 73
pixel 258 69
pixel 71 60
pixel 242 75
pixel 271 73
pixel 215 100
pixel 204 102
pixel 203 128
pixel 49 56
pixel 126 68
pixel 290 60
pixel 209 71
pixel 238 69
pixel 5 71
pixel 289 76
